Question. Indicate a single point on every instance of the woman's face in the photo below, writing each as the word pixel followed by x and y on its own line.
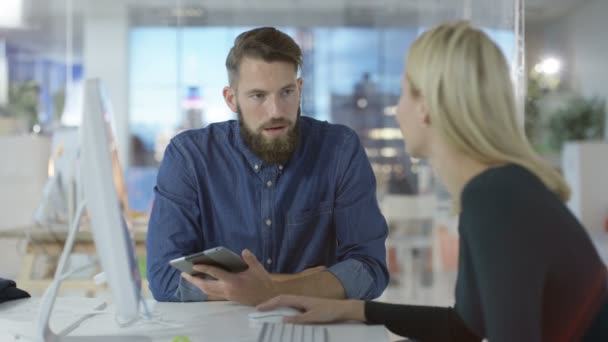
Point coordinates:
pixel 413 121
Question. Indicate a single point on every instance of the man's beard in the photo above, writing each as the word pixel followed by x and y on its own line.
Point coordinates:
pixel 273 151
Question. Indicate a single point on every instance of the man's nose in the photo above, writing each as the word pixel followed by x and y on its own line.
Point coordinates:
pixel 274 108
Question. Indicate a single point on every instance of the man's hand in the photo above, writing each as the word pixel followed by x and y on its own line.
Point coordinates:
pixel 250 287
pixel 306 272
pixel 215 298
pixel 281 277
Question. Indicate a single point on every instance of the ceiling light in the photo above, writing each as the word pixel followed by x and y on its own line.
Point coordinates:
pixel 548 66
pixel 11 13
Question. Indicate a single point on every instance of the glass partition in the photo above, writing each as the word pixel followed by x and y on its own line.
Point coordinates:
pixel 163 66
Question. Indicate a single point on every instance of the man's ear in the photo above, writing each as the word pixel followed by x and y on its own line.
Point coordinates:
pixel 229 94
pixel 299 82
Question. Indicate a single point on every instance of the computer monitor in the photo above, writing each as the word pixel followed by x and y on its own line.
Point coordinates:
pixel 115 249
pixel 98 169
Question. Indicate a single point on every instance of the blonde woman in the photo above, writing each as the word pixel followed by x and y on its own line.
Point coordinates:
pixel 527 269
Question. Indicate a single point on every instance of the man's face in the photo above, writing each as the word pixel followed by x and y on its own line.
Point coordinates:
pixel 267 101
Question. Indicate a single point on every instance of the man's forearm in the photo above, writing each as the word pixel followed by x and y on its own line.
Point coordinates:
pixel 320 284
pixel 306 272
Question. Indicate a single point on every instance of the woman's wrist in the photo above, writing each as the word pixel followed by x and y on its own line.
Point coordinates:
pixel 354 310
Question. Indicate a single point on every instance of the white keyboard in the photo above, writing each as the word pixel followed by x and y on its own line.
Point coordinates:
pixel 278 332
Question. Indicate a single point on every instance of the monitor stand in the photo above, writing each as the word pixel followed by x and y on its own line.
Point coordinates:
pixel 44 333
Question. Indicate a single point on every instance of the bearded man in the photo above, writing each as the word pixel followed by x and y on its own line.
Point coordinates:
pixel 294 195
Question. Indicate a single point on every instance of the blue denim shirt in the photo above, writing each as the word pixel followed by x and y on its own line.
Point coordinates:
pixel 319 208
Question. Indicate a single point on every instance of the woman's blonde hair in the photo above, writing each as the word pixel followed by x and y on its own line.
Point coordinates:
pixel 464 79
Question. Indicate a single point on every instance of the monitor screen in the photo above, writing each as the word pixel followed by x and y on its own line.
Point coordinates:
pixel 110 130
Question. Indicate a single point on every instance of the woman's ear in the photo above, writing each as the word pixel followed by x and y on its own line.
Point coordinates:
pixel 423 112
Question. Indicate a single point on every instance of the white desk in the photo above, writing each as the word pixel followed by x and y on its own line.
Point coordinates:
pixel 203 321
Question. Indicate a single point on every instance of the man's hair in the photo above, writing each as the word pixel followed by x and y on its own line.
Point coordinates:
pixel 266 43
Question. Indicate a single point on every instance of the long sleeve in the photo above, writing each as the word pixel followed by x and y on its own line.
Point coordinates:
pixel 521 250
pixel 422 323
pixel 213 191
pixel 173 229
pixel 508 266
pixel 361 229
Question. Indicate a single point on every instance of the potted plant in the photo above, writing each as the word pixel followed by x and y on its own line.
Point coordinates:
pixel 22 107
pixel 579 119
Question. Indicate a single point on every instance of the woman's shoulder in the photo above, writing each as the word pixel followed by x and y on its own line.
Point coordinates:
pixel 511 200
pixel 509 194
pixel 502 184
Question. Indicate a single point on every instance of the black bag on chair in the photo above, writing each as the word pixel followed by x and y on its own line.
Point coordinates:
pixel 9 291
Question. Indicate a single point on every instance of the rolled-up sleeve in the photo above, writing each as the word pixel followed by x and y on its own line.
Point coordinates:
pixel 361 229
pixel 187 292
pixel 174 229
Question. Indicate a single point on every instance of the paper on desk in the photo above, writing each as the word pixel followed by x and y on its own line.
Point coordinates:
pixel 16 331
pixel 19 318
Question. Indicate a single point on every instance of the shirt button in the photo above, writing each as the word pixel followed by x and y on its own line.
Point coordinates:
pixel 268 222
pixel 280 167
pixel 269 183
pixel 269 261
pixel 256 166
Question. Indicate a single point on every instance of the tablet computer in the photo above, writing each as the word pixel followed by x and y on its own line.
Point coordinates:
pixel 220 257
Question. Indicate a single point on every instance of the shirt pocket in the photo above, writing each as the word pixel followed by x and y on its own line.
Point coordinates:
pixel 307 217
pixel 308 236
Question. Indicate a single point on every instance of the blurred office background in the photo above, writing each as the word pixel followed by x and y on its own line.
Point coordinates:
pixel 163 66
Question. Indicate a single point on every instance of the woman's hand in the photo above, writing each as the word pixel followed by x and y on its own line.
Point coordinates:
pixel 317 310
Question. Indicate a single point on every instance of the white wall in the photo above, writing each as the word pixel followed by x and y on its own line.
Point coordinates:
pixel 23 173
pixel 580 39
pixel 587 38
pixel 585 171
pixel 105 42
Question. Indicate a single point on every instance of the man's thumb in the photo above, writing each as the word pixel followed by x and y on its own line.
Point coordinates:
pixel 250 259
